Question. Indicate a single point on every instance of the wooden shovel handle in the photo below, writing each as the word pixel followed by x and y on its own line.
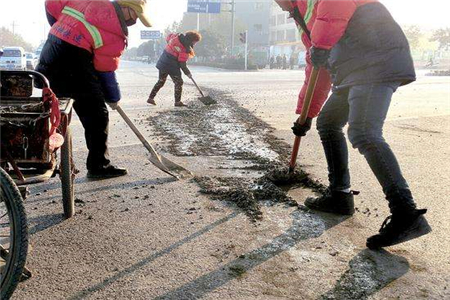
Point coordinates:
pixel 196 85
pixel 304 115
pixel 138 134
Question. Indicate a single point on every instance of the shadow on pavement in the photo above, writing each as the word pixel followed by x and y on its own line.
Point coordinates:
pixel 133 268
pixel 113 186
pixel 44 222
pixel 368 272
pixel 304 227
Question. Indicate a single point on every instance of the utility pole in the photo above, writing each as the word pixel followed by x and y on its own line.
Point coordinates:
pixel 244 39
pixel 233 10
pixel 246 50
pixel 198 22
pixel 14 25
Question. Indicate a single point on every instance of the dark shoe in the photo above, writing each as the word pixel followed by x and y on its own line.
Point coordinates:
pixel 108 171
pixel 399 228
pixel 151 101
pixel 340 203
pixel 180 104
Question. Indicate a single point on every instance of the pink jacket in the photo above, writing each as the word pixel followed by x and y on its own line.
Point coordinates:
pixel 92 25
pixel 176 48
pixel 327 21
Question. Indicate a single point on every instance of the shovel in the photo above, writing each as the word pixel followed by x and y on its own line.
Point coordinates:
pixel 304 115
pixel 207 100
pixel 158 160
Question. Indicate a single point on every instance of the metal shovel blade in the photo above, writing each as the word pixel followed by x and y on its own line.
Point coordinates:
pixel 155 158
pixel 169 167
pixel 207 100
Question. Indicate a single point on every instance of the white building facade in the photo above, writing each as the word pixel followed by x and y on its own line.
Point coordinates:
pixel 284 35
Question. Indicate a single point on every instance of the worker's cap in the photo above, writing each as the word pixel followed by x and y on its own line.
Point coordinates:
pixel 286 5
pixel 139 7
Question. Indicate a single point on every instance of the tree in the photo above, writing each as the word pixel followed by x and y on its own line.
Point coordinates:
pixel 212 45
pixel 146 49
pixel 130 53
pixel 218 25
pixel 442 36
pixel 7 38
pixel 413 34
pixel 175 27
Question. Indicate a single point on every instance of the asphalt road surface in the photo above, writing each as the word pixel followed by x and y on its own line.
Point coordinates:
pixel 148 236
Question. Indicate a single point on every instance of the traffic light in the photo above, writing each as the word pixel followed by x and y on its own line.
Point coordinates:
pixel 243 37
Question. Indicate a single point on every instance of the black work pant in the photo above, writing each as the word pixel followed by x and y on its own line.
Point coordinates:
pixel 364 108
pixel 177 80
pixel 71 74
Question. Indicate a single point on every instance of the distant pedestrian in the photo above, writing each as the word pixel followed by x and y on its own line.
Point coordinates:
pixel 279 60
pixel 430 62
pixel 284 62
pixel 272 62
pixel 179 49
pixel 359 46
pixel 292 61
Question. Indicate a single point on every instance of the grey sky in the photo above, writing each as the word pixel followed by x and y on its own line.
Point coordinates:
pixel 29 16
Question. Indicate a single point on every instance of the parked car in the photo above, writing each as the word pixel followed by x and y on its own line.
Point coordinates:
pixel 13 58
pixel 31 61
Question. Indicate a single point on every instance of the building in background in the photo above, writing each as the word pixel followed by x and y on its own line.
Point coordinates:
pixel 252 16
pixel 255 16
pixel 284 35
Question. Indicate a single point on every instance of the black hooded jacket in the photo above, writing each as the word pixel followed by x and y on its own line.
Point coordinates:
pixel 373 49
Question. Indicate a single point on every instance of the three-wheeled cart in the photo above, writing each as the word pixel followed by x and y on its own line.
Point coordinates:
pixel 36 145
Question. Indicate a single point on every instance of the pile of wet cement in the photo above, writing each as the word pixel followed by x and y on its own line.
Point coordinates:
pixel 247 194
pixel 194 132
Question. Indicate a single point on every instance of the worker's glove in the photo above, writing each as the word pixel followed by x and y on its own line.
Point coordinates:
pixel 189 75
pixel 301 130
pixel 319 57
pixel 113 105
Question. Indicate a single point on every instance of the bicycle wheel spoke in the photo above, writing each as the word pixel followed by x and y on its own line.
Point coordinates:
pixel 4 215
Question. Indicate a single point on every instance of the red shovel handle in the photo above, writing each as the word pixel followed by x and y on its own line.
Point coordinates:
pixel 294 153
pixel 304 115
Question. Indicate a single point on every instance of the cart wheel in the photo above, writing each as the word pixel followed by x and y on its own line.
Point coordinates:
pixel 67 175
pixel 13 236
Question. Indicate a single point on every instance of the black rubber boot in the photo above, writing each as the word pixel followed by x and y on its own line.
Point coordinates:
pixel 108 171
pixel 399 228
pixel 340 203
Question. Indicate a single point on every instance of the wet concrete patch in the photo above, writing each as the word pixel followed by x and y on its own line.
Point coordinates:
pixel 224 129
pixel 242 142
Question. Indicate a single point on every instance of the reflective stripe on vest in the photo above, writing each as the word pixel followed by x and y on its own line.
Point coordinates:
pixel 307 16
pixel 309 11
pixel 96 36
